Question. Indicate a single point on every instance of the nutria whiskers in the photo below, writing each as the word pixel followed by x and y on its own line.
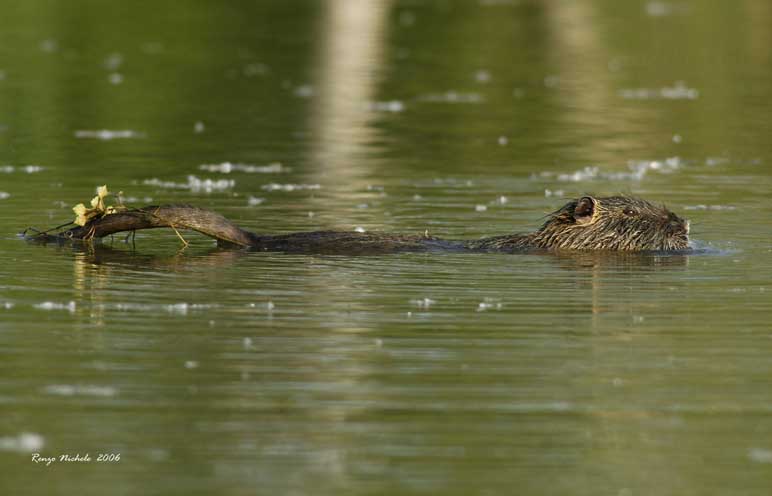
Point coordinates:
pixel 617 223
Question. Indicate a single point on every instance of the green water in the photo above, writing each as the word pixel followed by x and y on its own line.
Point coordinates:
pixel 224 372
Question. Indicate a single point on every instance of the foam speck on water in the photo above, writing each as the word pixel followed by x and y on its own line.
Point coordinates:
pixel 199 127
pixel 489 304
pixel 304 91
pixel 482 76
pixel 6 305
pixel 636 171
pixel 388 106
pixel 29 169
pixel 760 455
pixel 113 61
pixel 290 187
pixel 4 195
pixel 423 303
pixel 80 390
pixel 51 305
pixel 550 193
pixel 24 442
pixel 679 91
pixel 253 201
pixel 194 184
pixel 710 207
pixel 115 78
pixel 359 229
pixel 107 134
pixel 228 167
pixel 191 364
pixel 49 45
pixel 480 208
pixel 453 97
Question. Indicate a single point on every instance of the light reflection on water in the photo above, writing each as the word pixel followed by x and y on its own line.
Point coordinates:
pixel 229 371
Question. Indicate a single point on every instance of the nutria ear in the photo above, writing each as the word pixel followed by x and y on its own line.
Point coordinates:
pixel 584 209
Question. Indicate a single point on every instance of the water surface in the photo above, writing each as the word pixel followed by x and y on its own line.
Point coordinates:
pixel 227 372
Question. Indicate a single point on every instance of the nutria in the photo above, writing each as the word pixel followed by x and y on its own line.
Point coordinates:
pixel 617 223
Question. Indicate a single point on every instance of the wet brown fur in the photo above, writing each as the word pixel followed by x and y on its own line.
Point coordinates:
pixel 617 223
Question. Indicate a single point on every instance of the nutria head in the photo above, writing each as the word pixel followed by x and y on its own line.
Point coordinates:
pixel 614 223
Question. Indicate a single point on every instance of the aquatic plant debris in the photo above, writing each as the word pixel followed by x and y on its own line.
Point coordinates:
pixel 98 208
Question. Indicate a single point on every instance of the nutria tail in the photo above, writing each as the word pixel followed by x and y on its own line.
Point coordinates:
pixel 153 216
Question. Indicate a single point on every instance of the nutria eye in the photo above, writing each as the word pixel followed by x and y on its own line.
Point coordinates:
pixel 630 212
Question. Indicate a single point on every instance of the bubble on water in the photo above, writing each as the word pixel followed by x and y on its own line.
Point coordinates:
pixel 49 45
pixel 550 193
pixel 228 167
pixel 255 69
pixel 452 97
pixel 417 197
pixel 760 455
pixel 290 187
pixel 359 229
pixel 270 306
pixel 304 91
pixel 677 138
pixel 480 208
pixel 253 201
pixel 503 140
pixel 107 134
pixel 80 390
pixel 7 305
pixel 247 343
pixel 29 169
pixel 679 91
pixel 710 207
pixel 52 305
pixel 387 106
pixel 502 200
pixel 152 47
pixel 714 161
pixel 194 184
pixel 636 171
pixel 489 304
pixel 24 442
pixel 115 78
pixel 4 195
pixel 199 127
pixel 482 76
pixel 423 303
pixel 191 364
pixel 113 61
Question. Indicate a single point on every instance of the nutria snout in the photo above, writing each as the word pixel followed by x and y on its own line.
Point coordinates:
pixel 615 223
pixel 620 223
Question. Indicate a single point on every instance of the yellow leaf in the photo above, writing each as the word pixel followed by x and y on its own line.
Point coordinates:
pixel 102 191
pixel 95 201
pixel 79 209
